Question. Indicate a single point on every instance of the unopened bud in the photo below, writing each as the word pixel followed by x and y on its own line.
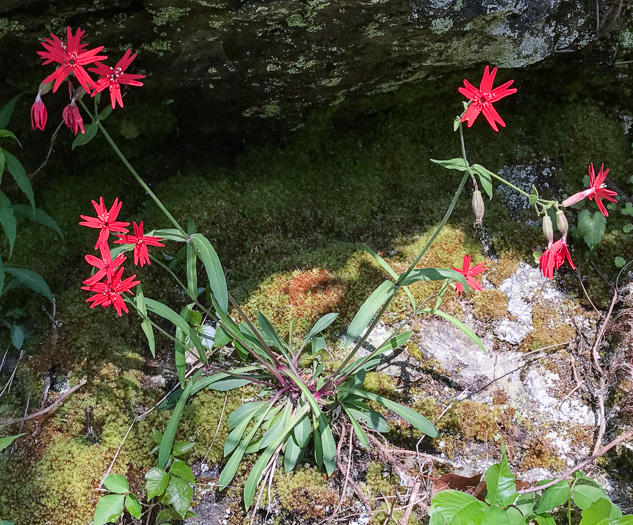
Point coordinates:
pixel 548 229
pixel 45 88
pixel 478 207
pixel 561 222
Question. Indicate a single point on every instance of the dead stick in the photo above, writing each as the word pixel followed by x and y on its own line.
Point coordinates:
pixel 412 502
pixel 594 351
pixel 566 474
pixel 57 402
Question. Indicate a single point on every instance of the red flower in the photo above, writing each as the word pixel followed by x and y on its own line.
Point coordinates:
pixel 112 77
pixel 483 98
pixel 72 56
pixel 109 292
pixel 106 266
pixel 140 242
pixel 468 273
pixel 38 114
pixel 72 117
pixel 554 257
pixel 596 190
pixel 105 221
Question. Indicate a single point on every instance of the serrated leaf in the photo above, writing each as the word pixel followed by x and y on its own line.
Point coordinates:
pixel 83 138
pixel 452 164
pixel 133 505
pixel 179 495
pixel 109 509
pixel 37 215
pixel 21 178
pixel 31 280
pixel 368 309
pixel 500 483
pixel 182 470
pixel 156 481
pixel 117 483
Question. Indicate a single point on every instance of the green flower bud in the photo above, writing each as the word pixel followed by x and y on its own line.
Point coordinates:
pixel 478 207
pixel 548 229
pixel 561 222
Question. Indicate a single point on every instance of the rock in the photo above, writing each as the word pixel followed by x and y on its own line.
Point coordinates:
pixel 244 65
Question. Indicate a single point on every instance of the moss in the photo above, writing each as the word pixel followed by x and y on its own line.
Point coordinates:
pixel 540 454
pixel 306 493
pixel 500 270
pixel 377 482
pixel 490 304
pixel 550 328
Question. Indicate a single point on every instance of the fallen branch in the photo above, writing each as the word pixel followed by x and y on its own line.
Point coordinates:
pixel 566 474
pixel 50 408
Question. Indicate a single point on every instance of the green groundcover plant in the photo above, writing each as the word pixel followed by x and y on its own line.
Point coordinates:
pixel 299 397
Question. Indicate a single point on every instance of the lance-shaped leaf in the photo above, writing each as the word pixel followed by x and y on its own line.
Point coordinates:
pixel 368 309
pixel 212 265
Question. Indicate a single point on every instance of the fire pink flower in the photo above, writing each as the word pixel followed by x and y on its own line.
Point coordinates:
pixel 106 267
pixel 554 257
pixel 38 114
pixel 468 273
pixel 140 242
pixel 72 58
pixel 596 190
pixel 109 292
pixel 481 99
pixel 105 221
pixel 113 77
pixel 72 118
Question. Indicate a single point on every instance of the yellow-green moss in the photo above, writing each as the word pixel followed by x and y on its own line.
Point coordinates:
pixel 305 492
pixel 490 304
pixel 549 328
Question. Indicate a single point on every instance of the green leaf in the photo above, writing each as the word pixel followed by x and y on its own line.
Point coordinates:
pixel 599 513
pixel 84 138
pixel 553 497
pixel 269 333
pixel 182 470
pixel 463 327
pixel 5 522
pixel 591 227
pixel 156 481
pixel 627 228
pixel 7 219
pixel 146 324
pixel 495 516
pixel 5 133
pixel 500 483
pixel 179 495
pixel 166 515
pixel 192 274
pixel 17 336
pixel 36 215
pixel 545 520
pixel 256 472
pixel 246 410
pixel 434 274
pixel 7 111
pixel 586 492
pixel 169 234
pixel 2 275
pixel 31 280
pixel 292 454
pixel 182 447
pixel 417 420
pixel 485 177
pixel 319 326
pixel 133 505
pixel 170 432
pixel 105 112
pixel 452 164
pixel 619 262
pixel 358 430
pixel 108 509
pixel 390 271
pixel 515 516
pixel 368 309
pixel 458 508
pixel 363 412
pixel 21 178
pixel 2 162
pixel 211 262
pixel 7 440
pixel 180 349
pixel 117 483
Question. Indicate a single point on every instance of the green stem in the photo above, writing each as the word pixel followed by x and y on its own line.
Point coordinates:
pixel 468 169
pixel 133 171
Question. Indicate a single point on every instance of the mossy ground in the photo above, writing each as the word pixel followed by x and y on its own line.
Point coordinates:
pixel 287 223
